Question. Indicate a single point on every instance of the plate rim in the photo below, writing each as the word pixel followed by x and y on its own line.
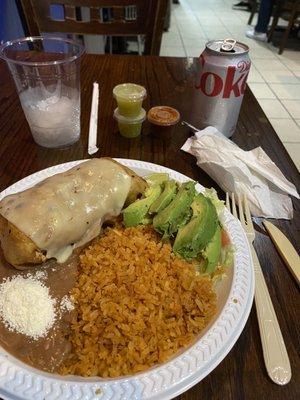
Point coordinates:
pixel 132 382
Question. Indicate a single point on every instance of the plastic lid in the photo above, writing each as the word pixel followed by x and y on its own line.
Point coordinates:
pixel 130 91
pixel 127 120
pixel 163 116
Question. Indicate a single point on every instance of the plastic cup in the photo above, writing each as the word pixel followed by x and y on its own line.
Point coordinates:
pixel 129 97
pixel 46 72
pixel 130 127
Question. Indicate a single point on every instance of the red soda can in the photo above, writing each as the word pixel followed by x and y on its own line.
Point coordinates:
pixel 224 68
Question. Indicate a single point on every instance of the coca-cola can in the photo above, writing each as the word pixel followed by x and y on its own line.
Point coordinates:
pixel 224 68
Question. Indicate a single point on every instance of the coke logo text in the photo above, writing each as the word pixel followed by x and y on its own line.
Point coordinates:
pixel 243 65
pixel 212 84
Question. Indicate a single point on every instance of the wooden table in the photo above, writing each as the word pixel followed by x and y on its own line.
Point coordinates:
pixel 170 81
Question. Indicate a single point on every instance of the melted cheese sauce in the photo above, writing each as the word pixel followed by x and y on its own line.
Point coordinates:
pixel 67 210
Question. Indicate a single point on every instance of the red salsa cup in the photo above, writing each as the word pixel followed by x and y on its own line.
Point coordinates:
pixel 163 120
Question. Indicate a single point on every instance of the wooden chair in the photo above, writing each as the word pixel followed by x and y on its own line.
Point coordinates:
pixel 289 10
pixel 149 19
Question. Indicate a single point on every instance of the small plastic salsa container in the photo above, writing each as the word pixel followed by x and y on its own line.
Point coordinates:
pixel 129 97
pixel 163 119
pixel 130 127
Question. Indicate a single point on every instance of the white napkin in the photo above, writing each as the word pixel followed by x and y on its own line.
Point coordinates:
pixel 251 173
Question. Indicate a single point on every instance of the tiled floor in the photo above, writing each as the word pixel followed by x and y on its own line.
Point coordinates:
pixel 274 79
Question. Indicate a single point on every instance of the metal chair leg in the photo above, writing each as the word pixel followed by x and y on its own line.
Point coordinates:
pixel 139 43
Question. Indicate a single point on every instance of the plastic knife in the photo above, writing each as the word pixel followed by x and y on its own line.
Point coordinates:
pixel 285 248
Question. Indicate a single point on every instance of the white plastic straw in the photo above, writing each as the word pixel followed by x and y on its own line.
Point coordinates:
pixel 92 148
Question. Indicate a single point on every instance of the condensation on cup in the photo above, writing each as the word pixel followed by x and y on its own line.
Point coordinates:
pixel 224 68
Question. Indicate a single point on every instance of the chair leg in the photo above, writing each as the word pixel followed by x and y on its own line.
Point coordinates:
pixel 273 26
pixel 139 43
pixel 253 11
pixel 251 16
pixel 287 31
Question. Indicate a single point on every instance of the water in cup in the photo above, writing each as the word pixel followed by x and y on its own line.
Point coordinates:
pixel 46 72
pixel 55 120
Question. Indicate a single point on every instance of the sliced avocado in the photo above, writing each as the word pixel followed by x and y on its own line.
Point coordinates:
pixel 157 178
pixel 181 222
pixel 167 195
pixel 197 233
pixel 199 204
pixel 212 251
pixel 137 212
pixel 169 219
pixel 185 218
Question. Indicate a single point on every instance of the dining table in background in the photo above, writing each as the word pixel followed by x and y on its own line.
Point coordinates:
pixel 171 81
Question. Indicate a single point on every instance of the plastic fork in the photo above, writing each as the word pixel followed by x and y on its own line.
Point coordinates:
pixel 275 355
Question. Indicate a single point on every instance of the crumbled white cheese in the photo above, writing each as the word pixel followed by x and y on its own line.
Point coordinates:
pixel 26 306
pixel 66 304
pixel 39 275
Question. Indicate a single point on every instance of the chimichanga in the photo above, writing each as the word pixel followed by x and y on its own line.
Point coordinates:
pixel 65 211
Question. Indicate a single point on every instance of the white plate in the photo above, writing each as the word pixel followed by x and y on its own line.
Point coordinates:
pixel 19 381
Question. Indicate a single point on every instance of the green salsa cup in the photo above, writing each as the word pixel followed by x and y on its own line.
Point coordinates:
pixel 130 127
pixel 129 97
